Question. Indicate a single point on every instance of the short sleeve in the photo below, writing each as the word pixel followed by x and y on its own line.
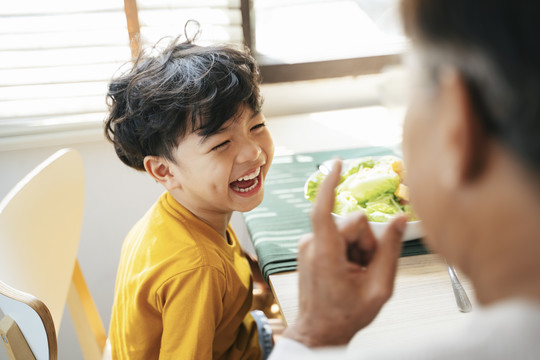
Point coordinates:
pixel 191 307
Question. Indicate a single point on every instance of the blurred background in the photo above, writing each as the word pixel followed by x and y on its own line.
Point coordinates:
pixel 332 78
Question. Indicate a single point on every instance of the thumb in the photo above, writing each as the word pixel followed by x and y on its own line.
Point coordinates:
pixel 396 228
pixel 384 262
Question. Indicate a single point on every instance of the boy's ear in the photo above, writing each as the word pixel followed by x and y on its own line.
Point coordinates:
pixel 159 168
pixel 466 140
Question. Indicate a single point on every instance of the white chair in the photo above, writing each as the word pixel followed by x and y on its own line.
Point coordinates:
pixel 40 225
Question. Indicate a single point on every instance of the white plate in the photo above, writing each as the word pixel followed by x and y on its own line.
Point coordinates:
pixel 412 231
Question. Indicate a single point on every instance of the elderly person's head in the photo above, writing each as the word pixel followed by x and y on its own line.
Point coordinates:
pixel 472 150
pixel 472 133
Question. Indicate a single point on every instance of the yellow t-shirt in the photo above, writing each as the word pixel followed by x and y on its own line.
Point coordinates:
pixel 182 291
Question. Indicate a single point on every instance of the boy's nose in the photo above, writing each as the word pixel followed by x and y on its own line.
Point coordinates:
pixel 250 151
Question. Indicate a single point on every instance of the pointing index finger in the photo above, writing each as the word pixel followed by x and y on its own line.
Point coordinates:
pixel 323 224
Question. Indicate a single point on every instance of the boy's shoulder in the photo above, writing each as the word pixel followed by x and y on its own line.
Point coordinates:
pixel 168 233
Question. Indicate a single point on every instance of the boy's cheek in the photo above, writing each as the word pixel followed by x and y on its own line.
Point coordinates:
pixel 271 148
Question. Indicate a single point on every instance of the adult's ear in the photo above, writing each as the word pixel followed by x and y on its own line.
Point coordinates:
pixel 160 169
pixel 466 140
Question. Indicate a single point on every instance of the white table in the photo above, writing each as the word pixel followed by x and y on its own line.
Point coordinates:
pixel 423 300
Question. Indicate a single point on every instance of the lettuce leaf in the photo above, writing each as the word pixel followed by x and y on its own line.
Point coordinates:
pixel 345 203
pixel 382 208
pixel 313 187
pixel 356 166
pixel 369 183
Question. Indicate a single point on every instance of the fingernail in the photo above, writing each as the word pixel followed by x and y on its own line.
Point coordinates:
pixel 327 166
pixel 303 239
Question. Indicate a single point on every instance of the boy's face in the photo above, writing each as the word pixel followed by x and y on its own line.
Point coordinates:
pixel 224 172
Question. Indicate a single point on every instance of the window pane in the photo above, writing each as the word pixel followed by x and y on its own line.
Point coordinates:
pixel 292 31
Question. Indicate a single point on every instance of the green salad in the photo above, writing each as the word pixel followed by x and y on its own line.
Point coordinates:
pixel 372 185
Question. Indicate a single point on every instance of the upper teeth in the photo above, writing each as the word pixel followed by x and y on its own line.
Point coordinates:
pixel 253 175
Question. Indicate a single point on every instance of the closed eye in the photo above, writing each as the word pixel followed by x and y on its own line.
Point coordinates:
pixel 220 146
pixel 258 126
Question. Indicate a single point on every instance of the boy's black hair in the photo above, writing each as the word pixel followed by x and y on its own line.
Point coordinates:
pixel 185 88
pixel 494 45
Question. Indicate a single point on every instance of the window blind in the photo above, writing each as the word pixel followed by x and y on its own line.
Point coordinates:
pixel 57 56
pixel 220 20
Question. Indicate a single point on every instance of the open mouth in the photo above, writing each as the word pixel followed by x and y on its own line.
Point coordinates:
pixel 247 183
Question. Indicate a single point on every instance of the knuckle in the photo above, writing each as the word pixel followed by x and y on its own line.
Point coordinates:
pixel 381 293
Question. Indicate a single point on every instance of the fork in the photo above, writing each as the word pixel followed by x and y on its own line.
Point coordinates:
pixel 462 300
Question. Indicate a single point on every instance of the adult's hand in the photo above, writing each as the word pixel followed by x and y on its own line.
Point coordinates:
pixel 345 274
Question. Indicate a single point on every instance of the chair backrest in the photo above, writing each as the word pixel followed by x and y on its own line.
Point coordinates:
pixel 40 226
pixel 29 313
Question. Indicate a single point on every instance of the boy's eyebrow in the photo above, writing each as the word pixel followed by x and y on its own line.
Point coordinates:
pixel 204 138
